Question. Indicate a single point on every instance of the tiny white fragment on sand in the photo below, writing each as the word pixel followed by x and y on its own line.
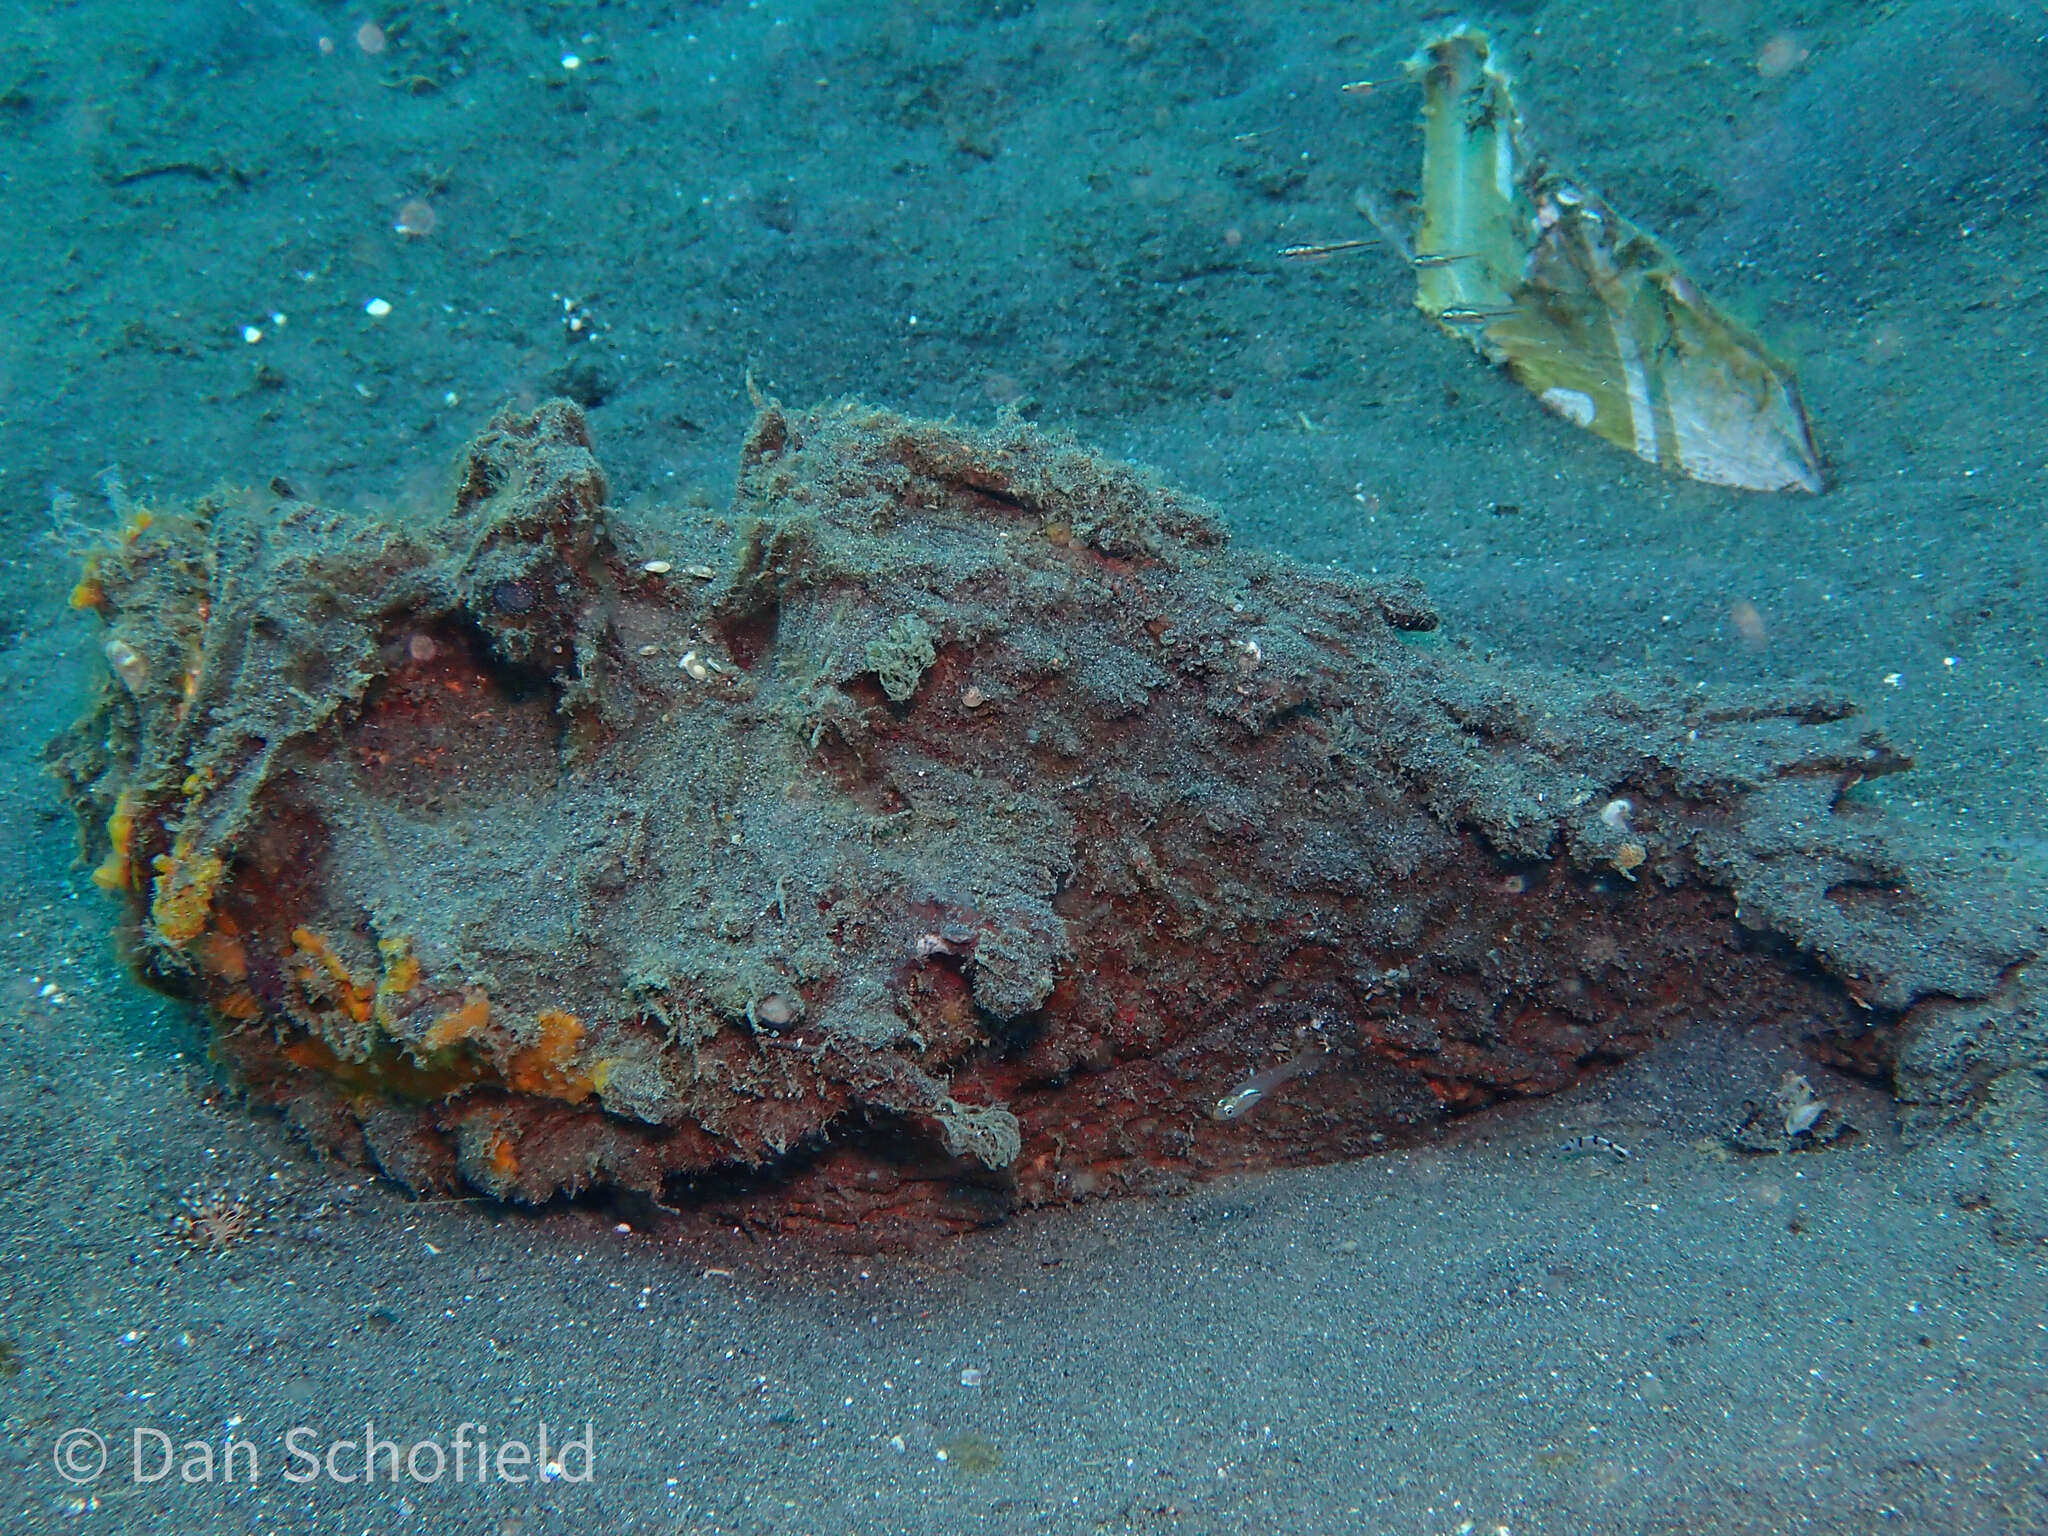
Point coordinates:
pixel 657 567
pixel 252 334
pixel 571 62
pixel 377 309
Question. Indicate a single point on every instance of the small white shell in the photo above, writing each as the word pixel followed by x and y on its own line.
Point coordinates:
pixel 775 1010
pixel 1804 1117
pixel 128 664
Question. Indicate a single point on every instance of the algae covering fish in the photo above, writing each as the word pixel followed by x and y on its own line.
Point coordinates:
pixel 1588 312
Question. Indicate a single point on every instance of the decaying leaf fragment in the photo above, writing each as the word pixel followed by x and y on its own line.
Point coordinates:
pixel 1585 310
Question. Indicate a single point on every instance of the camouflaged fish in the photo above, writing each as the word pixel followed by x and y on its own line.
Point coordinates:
pixel 1589 313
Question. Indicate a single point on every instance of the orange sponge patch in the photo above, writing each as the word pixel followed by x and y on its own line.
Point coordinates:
pixel 458 1024
pixel 504 1161
pixel 544 1068
pixel 401 977
pixel 240 1005
pixel 222 955
pixel 116 872
pixel 184 893
pixel 323 974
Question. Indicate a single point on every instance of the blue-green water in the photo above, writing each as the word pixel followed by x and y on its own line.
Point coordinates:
pixel 324 243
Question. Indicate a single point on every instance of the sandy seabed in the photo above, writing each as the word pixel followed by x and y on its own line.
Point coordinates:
pixel 1071 211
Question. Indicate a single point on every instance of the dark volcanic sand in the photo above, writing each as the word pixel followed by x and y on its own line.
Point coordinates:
pixel 1072 209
